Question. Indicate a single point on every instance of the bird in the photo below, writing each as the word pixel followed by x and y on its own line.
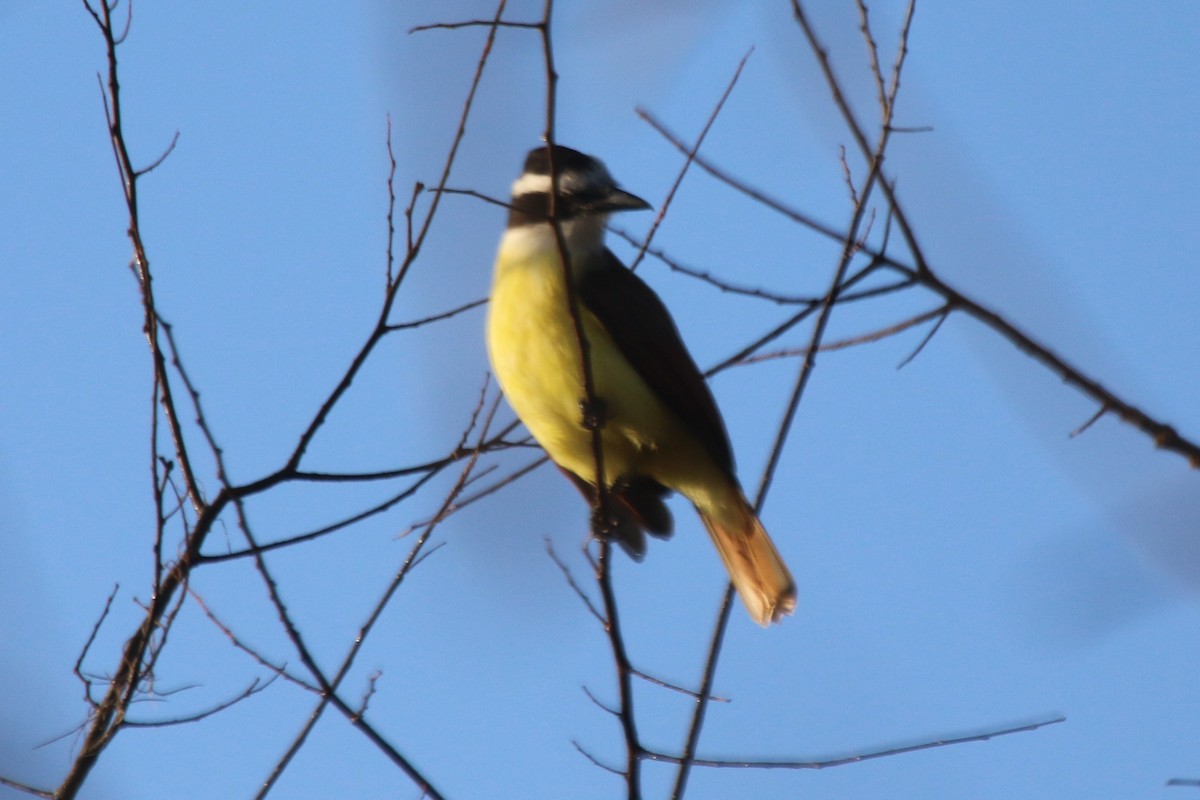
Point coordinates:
pixel 658 423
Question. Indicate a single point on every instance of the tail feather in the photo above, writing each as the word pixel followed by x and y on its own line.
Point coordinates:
pixel 757 570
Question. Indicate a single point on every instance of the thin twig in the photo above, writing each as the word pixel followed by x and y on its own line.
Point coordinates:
pixel 402 326
pixel 138 654
pixel 566 572
pixel 857 757
pixel 928 337
pixel 474 23
pixel 687 163
pixel 26 788
pixel 1184 782
pixel 278 669
pixel 850 245
pixel 254 688
pixel 596 702
pixel 879 334
pixel 87 646
pixel 329 686
pixel 1164 436
pixel 595 761
pixel 1091 421
pixel 637 673
pixel 410 257
pixel 390 255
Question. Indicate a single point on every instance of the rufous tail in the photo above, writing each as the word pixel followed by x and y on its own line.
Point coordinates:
pixel 754 565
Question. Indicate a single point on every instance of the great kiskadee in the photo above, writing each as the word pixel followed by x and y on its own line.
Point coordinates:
pixel 660 428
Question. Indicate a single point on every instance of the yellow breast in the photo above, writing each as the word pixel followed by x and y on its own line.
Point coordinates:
pixel 535 355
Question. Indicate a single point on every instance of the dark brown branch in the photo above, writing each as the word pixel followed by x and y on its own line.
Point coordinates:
pixel 712 280
pixel 594 420
pixel 633 745
pixel 390 251
pixel 799 317
pixel 595 761
pixel 708 676
pixel 596 702
pixel 864 26
pixel 924 341
pixel 254 688
pixel 512 477
pixel 381 324
pixel 675 688
pixel 87 646
pixel 26 788
pixel 401 326
pixel 478 196
pixel 850 246
pixel 139 653
pixel 329 686
pixel 1092 420
pixel 1164 436
pixel 688 158
pixel 156 162
pixel 475 23
pixel 858 757
pixel 566 572
pixel 939 314
pixel 290 541
pixel 278 669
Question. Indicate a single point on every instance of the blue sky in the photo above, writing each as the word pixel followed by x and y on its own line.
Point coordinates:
pixel 963 564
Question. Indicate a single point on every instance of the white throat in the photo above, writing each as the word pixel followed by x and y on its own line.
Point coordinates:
pixel 584 237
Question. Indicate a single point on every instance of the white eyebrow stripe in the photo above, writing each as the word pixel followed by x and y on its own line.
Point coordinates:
pixel 569 182
pixel 531 183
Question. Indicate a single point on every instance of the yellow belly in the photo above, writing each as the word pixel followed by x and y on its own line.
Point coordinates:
pixel 535 355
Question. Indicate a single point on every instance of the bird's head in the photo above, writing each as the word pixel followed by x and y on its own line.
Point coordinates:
pixel 585 189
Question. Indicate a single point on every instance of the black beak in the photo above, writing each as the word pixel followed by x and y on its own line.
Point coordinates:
pixel 620 200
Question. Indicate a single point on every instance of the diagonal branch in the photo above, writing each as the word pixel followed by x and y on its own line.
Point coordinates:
pixel 857 758
pixel 1164 436
pixel 689 157
pixel 850 246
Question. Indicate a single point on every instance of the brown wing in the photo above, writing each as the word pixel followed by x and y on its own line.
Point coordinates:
pixel 644 332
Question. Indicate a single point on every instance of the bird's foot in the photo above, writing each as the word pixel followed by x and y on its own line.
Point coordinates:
pixel 594 413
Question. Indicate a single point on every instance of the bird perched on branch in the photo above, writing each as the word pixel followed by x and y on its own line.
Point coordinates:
pixel 657 421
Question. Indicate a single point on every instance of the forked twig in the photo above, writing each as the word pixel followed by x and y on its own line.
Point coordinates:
pixel 850 246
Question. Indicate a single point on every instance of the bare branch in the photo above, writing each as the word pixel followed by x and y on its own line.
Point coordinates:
pixel 597 762
pixel 587 601
pixel 850 246
pixel 928 337
pixel 939 314
pixel 414 249
pixel 266 547
pixel 1091 421
pixel 1164 436
pixel 251 690
pixel 475 23
pixel 87 646
pixel 687 163
pixel 154 164
pixel 596 701
pixel 675 688
pixel 329 686
pixel 633 745
pixel 23 787
pixel 402 326
pixel 390 254
pixel 857 757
